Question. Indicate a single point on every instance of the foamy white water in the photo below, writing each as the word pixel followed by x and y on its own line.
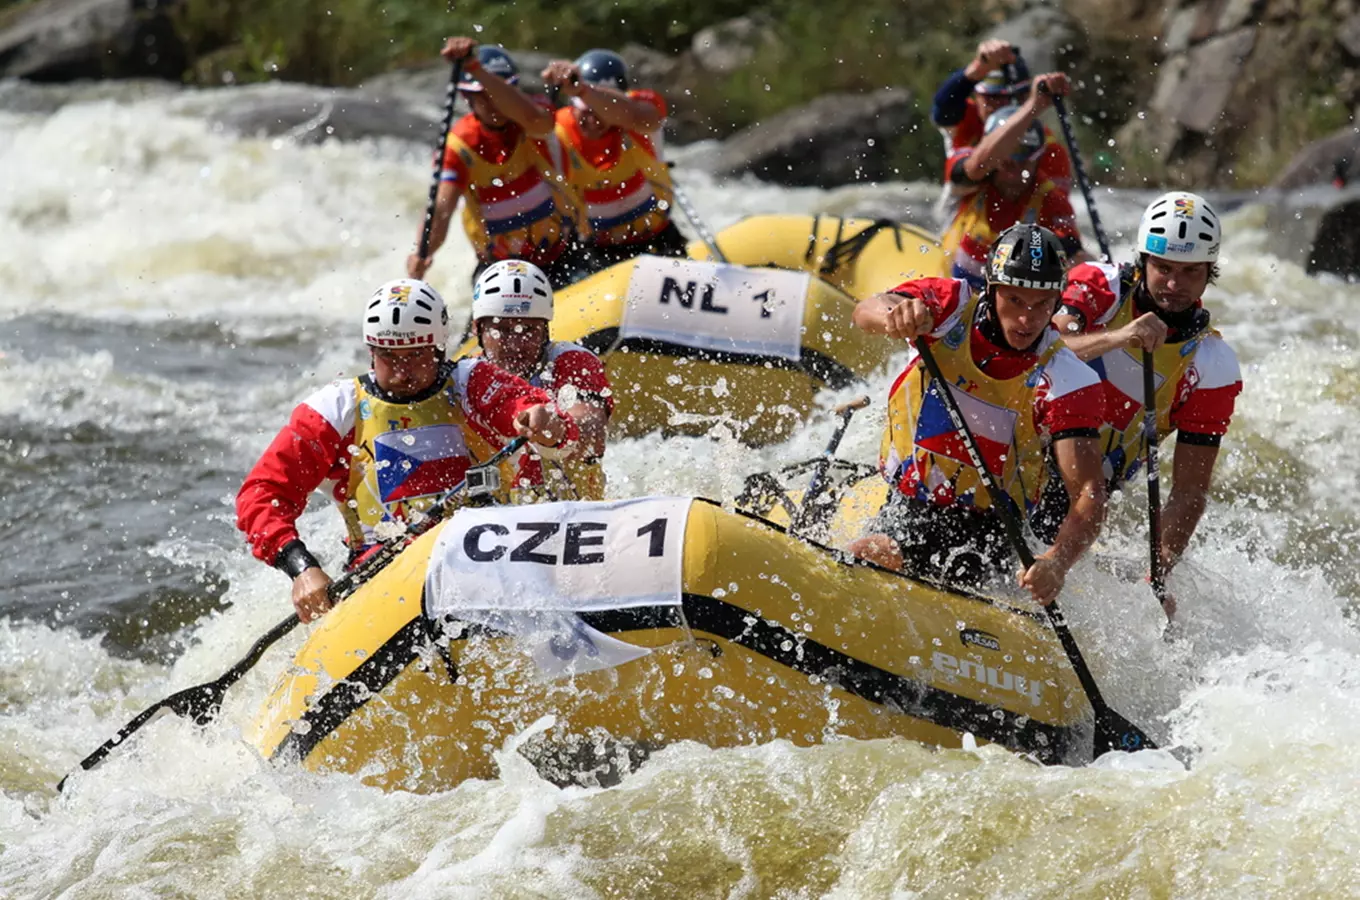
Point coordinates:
pixel 167 293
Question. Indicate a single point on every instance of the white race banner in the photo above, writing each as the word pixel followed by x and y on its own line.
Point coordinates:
pixel 715 306
pixel 528 570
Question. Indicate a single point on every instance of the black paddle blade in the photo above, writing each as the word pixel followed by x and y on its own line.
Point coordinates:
pixel 201 703
pixel 1114 732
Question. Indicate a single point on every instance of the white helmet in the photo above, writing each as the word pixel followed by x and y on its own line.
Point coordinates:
pixel 406 313
pixel 512 288
pixel 1181 227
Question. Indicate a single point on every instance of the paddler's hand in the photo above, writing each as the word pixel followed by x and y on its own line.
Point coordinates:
pixel 464 48
pixel 991 55
pixel 1147 332
pixel 543 425
pixel 309 594
pixel 416 265
pixel 565 76
pixel 1044 579
pixel 878 549
pixel 908 318
pixel 1046 87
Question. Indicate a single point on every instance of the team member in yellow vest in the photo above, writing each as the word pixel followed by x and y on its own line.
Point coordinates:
pixel 612 136
pixel 1110 314
pixel 390 442
pixel 1023 395
pixel 999 184
pixel 506 165
pixel 512 304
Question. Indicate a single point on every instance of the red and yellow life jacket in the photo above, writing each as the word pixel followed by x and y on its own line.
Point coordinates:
pixel 971 235
pixel 519 208
pixel 405 456
pixel 626 190
pixel 1123 442
pixel 925 457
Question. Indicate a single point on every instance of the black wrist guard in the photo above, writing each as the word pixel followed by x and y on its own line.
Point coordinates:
pixel 294 559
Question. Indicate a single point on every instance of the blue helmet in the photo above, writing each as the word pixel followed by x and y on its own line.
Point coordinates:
pixel 603 68
pixel 495 60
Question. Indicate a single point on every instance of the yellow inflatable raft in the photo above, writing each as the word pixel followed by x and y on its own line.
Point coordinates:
pixel 690 343
pixel 621 627
pixel 858 256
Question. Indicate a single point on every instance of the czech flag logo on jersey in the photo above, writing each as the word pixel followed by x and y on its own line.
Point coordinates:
pixel 419 462
pixel 993 428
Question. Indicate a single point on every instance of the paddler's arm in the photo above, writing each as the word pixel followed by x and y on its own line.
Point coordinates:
pixel 1145 332
pixel 611 106
pixel 895 315
pixel 514 104
pixel 593 422
pixel 275 493
pixel 548 427
pixel 996 147
pixel 1192 471
pixel 1079 461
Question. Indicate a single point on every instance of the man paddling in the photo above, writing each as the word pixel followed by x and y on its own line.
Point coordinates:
pixel 512 304
pixel 1111 313
pixel 996 77
pixel 503 162
pixel 389 442
pixel 1021 392
pixel 612 136
pixel 1000 184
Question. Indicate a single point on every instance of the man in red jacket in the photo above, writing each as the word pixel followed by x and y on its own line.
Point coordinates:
pixel 388 443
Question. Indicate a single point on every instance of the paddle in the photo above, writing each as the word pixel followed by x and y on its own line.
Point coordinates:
pixel 450 98
pixel 682 200
pixel 203 702
pixel 815 488
pixel 1113 731
pixel 1149 377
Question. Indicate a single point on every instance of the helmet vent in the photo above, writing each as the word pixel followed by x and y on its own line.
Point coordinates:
pixel 423 320
pixel 396 315
pixel 423 305
pixel 518 289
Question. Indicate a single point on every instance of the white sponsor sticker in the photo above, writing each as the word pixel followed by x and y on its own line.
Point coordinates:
pixel 529 571
pixel 714 306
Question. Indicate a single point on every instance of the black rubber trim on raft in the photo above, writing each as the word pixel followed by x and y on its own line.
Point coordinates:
pixel 346 696
pixel 707 615
pixel 811 362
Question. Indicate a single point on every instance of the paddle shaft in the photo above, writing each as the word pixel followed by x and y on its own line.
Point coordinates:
pixel 1154 490
pixel 1082 181
pixel 202 702
pixel 450 98
pixel 692 214
pixel 814 488
pixel 1001 503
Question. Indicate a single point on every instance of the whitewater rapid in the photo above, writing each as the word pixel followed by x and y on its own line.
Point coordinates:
pixel 168 291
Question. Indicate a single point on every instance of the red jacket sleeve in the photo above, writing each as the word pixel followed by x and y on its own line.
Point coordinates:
pixel 944 297
pixel 494 398
pixel 453 168
pixel 297 461
pixel 1092 292
pixel 651 97
pixel 584 371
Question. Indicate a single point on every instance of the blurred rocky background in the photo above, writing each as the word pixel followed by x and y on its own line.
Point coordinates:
pixel 1229 95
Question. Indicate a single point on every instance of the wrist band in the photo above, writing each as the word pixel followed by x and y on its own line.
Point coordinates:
pixel 294 559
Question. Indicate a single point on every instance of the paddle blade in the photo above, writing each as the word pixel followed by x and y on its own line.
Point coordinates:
pixel 201 703
pixel 1114 732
